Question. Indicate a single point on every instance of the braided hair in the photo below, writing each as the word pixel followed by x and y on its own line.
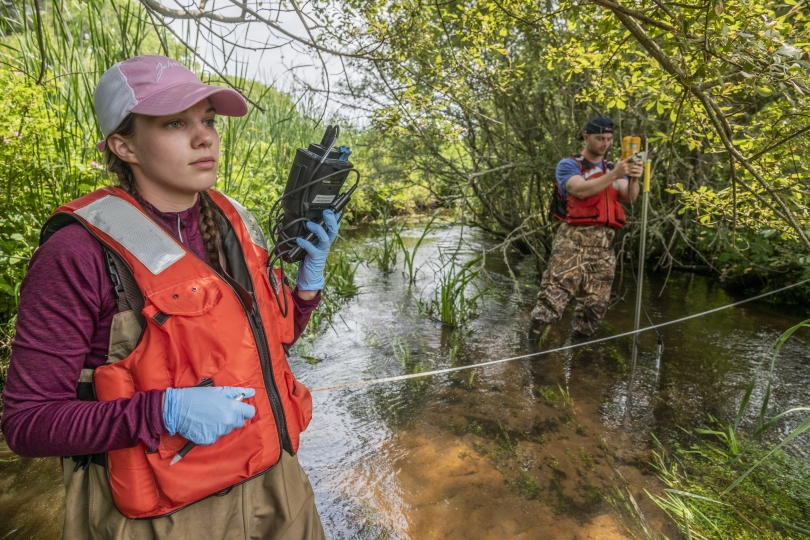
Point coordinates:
pixel 210 221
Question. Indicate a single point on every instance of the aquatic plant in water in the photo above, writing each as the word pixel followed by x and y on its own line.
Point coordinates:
pixel 410 254
pixel 384 253
pixel 764 487
pixel 453 304
pixel 340 272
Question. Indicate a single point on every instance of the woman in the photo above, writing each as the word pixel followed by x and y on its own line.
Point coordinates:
pixel 148 320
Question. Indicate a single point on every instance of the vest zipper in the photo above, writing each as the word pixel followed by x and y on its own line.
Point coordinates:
pixel 270 382
pixel 259 336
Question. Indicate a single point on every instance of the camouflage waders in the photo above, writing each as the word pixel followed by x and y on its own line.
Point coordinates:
pixel 582 265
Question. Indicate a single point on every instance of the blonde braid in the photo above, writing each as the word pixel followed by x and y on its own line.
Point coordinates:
pixel 211 231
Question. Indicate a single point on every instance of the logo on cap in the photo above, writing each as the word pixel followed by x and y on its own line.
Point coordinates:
pixel 160 67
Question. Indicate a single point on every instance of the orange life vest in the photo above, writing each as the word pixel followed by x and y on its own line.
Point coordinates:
pixel 604 208
pixel 199 325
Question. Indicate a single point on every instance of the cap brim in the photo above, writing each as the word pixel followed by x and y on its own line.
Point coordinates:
pixel 172 100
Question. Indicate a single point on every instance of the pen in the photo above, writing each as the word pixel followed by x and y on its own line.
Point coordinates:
pixel 191 444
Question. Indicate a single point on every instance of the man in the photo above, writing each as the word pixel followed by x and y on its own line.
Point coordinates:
pixel 589 193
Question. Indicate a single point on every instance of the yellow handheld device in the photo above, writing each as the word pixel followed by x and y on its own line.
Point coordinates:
pixel 630 145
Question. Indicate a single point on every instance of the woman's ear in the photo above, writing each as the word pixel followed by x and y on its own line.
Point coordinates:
pixel 121 147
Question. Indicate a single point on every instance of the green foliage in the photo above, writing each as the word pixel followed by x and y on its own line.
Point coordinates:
pixel 743 482
pixel 726 435
pixel 389 179
pixel 485 97
pixel 33 177
pixel 770 503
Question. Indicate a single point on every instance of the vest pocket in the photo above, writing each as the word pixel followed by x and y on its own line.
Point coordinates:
pixel 301 401
pixel 189 298
pixel 283 326
pixel 584 209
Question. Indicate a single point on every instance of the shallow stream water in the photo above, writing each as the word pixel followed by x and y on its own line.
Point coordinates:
pixel 553 446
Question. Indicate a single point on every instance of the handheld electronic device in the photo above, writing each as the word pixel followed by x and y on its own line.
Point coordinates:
pixel 314 184
pixel 630 146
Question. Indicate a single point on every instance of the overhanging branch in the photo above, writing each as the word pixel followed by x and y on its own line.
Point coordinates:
pixel 715 114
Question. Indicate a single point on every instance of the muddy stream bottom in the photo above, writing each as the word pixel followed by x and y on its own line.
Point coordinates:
pixel 554 446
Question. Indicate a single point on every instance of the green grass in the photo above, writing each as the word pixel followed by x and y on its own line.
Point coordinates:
pixel 619 359
pixel 560 397
pixel 525 486
pixel 455 298
pixel 777 492
pixel 733 486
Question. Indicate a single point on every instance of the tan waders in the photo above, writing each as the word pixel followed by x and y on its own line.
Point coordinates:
pixel 278 505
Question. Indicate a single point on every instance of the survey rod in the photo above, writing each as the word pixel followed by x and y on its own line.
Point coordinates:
pixel 645 197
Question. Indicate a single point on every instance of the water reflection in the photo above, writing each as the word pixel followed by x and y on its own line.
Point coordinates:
pixel 549 447
pixel 469 451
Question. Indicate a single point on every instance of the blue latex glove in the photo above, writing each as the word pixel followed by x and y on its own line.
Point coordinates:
pixel 310 273
pixel 204 414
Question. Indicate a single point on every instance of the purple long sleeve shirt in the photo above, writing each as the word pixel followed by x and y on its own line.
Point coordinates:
pixel 67 303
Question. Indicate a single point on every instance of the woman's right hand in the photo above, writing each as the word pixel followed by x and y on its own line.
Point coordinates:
pixel 204 414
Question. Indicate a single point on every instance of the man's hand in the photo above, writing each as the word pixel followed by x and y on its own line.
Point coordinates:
pixel 628 167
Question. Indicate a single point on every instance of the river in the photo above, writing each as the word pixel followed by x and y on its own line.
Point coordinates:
pixel 553 446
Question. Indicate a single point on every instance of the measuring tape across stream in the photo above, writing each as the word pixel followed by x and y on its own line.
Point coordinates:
pixel 559 349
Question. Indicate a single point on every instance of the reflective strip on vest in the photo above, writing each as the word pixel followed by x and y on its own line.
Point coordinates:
pixel 595 170
pixel 252 226
pixel 128 226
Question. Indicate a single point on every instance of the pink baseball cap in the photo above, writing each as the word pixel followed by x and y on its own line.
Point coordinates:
pixel 155 86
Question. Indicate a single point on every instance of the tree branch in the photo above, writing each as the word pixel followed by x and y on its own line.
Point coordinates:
pixel 780 142
pixel 187 14
pixel 618 8
pixel 157 31
pixel 736 77
pixel 716 116
pixel 197 14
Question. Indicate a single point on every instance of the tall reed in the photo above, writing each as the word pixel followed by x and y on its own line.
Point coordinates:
pixel 410 254
pixel 455 298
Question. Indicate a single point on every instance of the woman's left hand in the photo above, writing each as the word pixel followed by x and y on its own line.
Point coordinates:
pixel 310 273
